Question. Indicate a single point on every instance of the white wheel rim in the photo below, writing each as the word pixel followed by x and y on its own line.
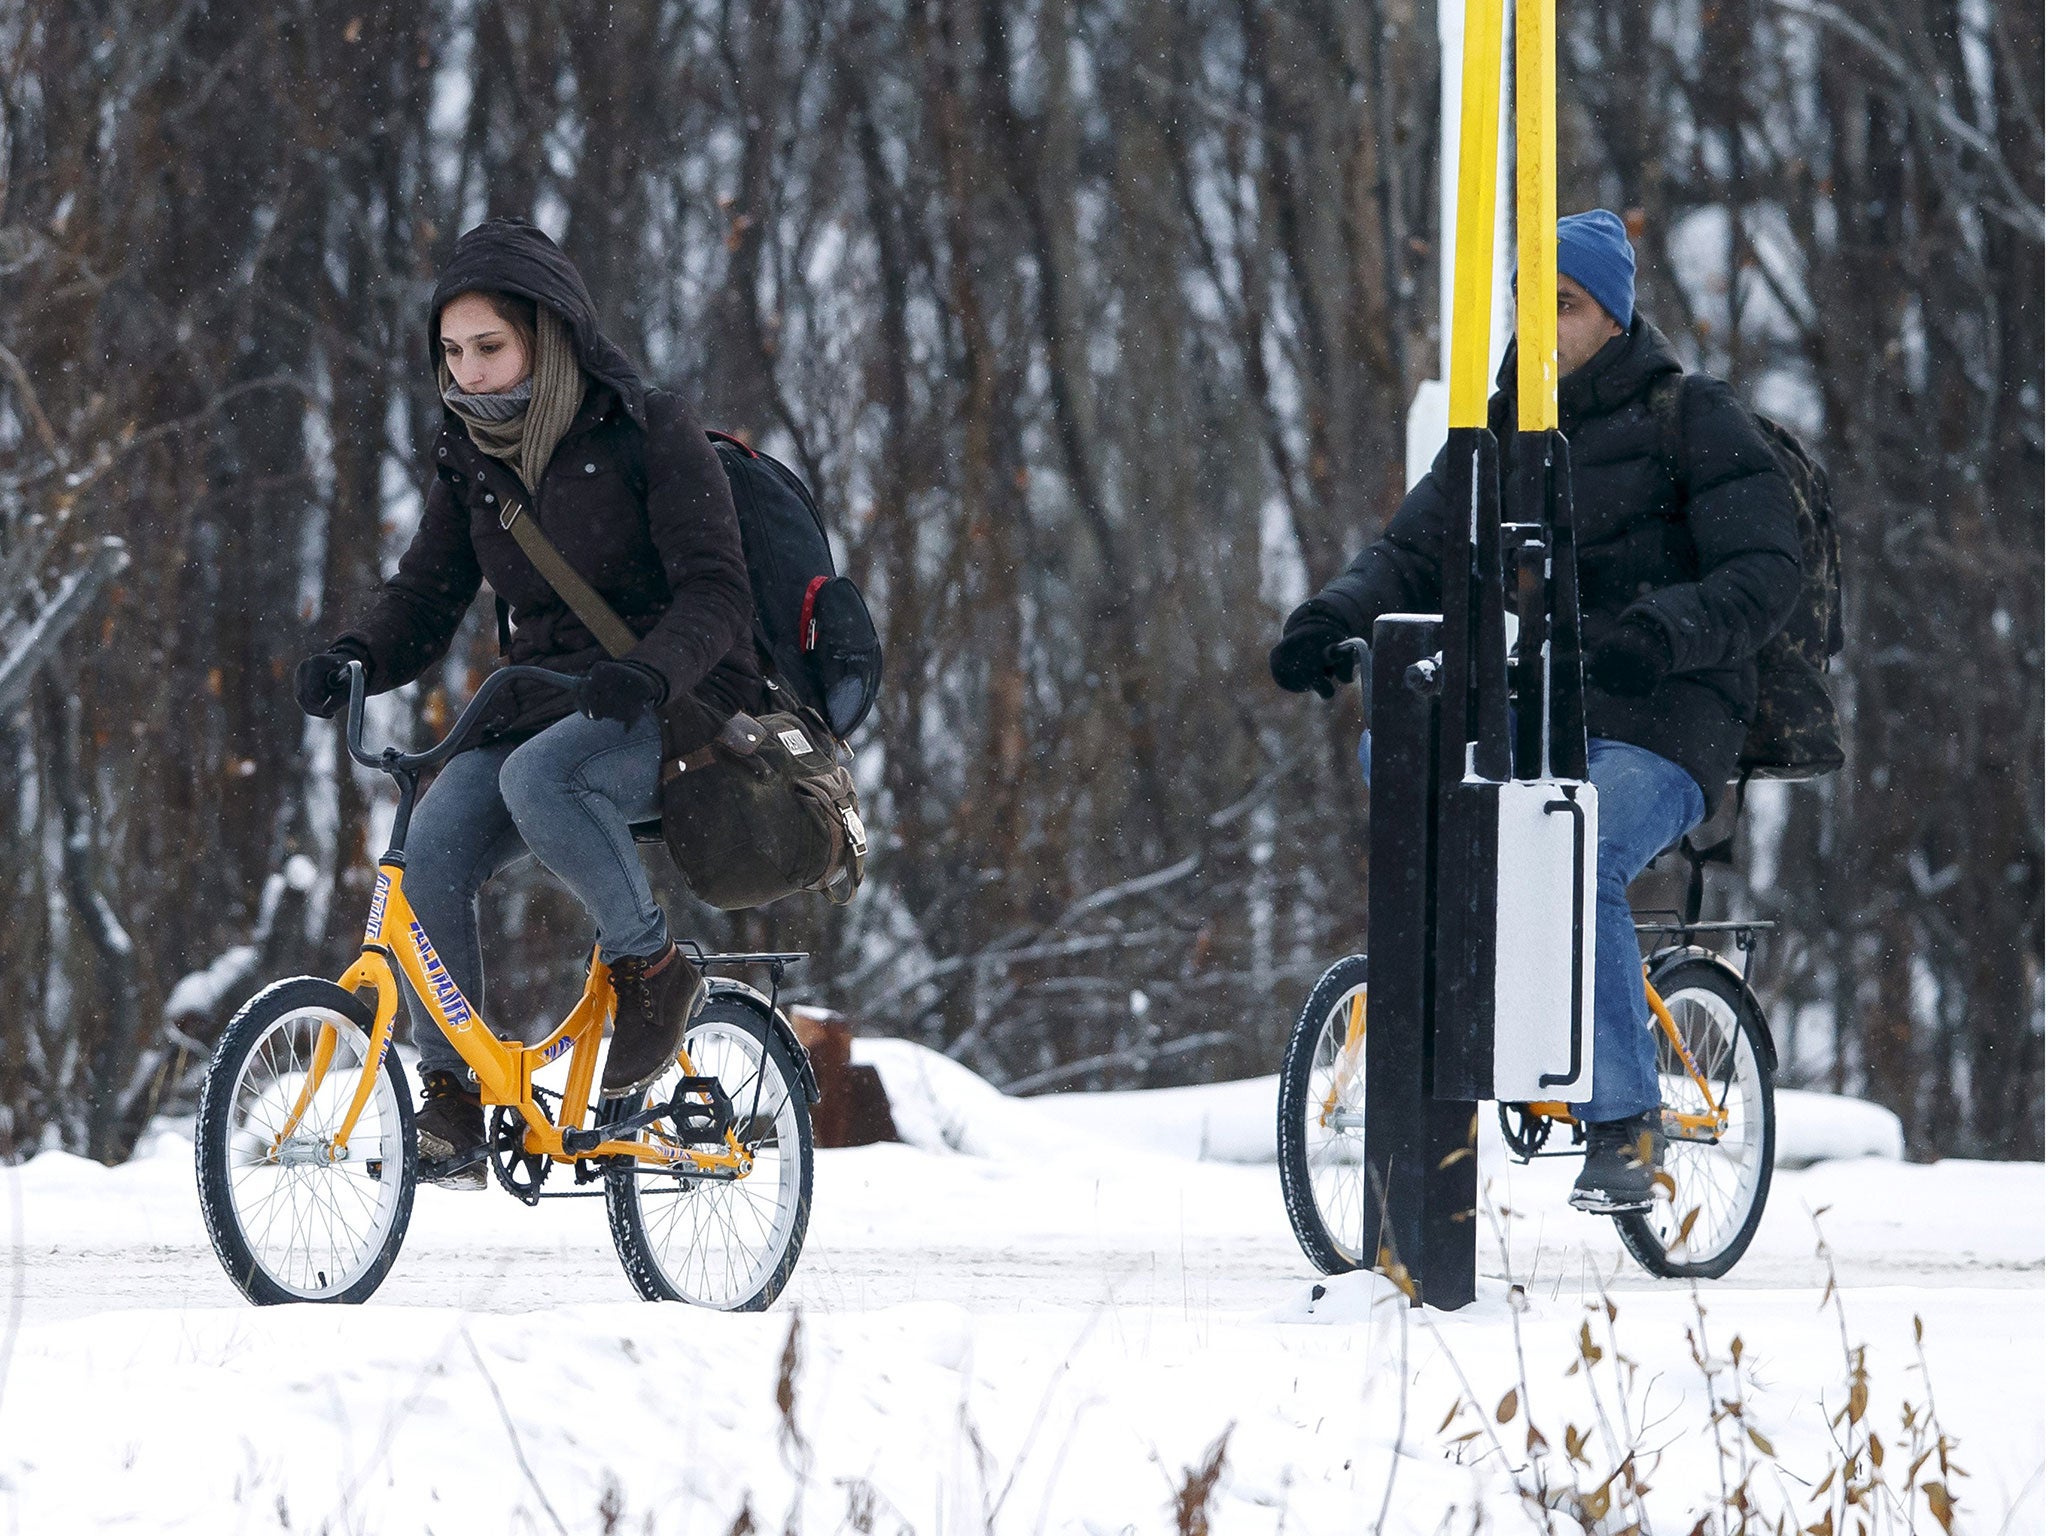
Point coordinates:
pixel 313 1227
pixel 718 1242
pixel 1717 1179
pixel 1333 1130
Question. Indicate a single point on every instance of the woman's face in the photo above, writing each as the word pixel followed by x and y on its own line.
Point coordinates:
pixel 484 352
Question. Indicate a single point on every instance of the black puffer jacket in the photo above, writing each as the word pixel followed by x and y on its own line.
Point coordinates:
pixel 634 498
pixel 1713 561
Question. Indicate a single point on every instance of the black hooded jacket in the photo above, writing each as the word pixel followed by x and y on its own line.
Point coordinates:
pixel 1710 554
pixel 634 498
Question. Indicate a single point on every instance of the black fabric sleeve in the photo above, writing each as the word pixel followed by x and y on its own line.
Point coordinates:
pixel 696 532
pixel 416 613
pixel 1401 573
pixel 1740 513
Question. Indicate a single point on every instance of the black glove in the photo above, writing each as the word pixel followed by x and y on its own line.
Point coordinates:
pixel 1306 656
pixel 1632 660
pixel 321 682
pixel 620 690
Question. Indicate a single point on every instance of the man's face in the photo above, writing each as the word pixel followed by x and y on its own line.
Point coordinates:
pixel 1583 327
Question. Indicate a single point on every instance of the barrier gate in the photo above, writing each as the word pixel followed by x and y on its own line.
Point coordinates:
pixel 1484 830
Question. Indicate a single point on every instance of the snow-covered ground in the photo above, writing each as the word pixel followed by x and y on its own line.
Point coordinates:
pixel 1037 1315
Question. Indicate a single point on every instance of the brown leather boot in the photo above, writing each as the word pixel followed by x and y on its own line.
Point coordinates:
pixel 449 1127
pixel 658 996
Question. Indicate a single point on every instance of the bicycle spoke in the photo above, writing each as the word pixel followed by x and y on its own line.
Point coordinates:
pixel 1716 1176
pixel 312 1225
pixel 718 1241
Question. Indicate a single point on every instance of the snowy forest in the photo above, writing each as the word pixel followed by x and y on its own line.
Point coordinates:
pixel 1094 324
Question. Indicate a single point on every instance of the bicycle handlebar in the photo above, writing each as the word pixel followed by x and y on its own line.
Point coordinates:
pixel 392 760
pixel 1361 649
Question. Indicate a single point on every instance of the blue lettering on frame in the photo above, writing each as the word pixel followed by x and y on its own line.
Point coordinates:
pixel 376 923
pixel 446 993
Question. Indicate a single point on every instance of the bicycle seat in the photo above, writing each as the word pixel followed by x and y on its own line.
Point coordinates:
pixel 646 831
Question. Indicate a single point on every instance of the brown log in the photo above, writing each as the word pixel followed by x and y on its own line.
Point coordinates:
pixel 853 1107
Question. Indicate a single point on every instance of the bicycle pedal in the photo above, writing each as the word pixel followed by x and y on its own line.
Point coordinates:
pixel 460 1172
pixel 1594 1204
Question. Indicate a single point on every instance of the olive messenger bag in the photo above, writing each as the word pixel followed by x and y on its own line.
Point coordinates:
pixel 765 810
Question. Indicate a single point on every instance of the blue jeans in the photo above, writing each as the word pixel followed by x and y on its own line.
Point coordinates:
pixel 1647 803
pixel 567 796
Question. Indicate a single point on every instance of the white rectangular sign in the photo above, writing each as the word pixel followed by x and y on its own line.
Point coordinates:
pixel 1549 844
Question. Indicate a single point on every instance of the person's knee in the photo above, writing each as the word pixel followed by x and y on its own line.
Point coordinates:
pixel 533 790
pixel 435 865
pixel 1612 873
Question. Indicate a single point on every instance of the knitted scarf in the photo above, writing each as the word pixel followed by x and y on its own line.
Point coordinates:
pixel 523 425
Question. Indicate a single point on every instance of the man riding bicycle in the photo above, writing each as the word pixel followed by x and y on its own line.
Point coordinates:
pixel 1685 569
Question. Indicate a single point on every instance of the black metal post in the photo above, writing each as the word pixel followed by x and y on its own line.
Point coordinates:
pixel 1567 686
pixel 1473 735
pixel 1421 1177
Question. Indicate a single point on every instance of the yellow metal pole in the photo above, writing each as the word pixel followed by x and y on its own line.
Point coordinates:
pixel 1478 181
pixel 1536 214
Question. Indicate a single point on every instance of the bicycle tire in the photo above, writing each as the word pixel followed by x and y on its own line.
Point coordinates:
pixel 1321 1130
pixel 265 1044
pixel 731 1040
pixel 1724 1029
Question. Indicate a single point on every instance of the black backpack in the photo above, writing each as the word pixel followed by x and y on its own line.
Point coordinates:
pixel 812 630
pixel 811 625
pixel 1796 733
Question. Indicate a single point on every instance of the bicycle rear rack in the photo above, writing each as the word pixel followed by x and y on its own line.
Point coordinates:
pixel 1743 930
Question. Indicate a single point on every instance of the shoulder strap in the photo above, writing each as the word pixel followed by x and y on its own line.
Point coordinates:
pixel 597 615
pixel 1723 852
pixel 1667 407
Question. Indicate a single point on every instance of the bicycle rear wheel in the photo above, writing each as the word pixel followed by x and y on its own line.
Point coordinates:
pixel 1322 1121
pixel 290 1221
pixel 726 1243
pixel 1712 1189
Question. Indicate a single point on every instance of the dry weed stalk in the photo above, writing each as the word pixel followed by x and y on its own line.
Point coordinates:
pixel 1857 1496
pixel 1198 1489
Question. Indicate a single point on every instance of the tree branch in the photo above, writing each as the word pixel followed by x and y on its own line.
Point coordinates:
pixel 25 657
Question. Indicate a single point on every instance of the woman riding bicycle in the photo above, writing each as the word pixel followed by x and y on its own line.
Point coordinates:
pixel 546 418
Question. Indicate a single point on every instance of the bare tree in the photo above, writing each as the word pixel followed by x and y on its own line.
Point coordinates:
pixel 1093 322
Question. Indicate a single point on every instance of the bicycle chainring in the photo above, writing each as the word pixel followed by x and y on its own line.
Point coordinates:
pixel 520 1171
pixel 1524 1133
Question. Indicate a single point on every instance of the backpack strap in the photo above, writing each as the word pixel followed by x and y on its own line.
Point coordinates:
pixel 598 616
pixel 1723 852
pixel 1667 409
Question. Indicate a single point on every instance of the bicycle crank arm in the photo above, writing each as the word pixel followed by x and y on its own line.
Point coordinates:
pixel 696 1124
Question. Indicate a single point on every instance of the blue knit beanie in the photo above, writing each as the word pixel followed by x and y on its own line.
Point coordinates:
pixel 1593 251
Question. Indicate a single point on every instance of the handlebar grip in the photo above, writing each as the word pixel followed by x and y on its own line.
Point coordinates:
pixel 1361 649
pixel 358 687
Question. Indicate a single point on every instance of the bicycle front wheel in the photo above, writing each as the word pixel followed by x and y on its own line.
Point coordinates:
pixel 1322 1121
pixel 292 1217
pixel 1720 1127
pixel 728 1243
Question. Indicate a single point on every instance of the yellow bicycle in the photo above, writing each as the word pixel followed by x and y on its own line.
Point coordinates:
pixel 306 1157
pixel 1715 1064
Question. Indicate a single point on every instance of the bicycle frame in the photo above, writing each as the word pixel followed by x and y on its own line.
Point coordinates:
pixel 394 937
pixel 1347 1060
pixel 1713 1122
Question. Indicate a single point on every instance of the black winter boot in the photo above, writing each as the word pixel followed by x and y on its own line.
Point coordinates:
pixel 1622 1159
pixel 658 996
pixel 450 1130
